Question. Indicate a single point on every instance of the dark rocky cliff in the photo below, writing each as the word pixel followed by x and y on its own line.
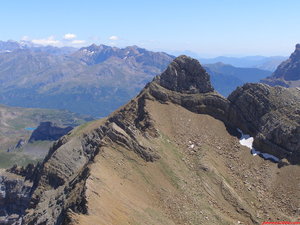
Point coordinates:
pixel 287 73
pixel 271 115
pixel 14 197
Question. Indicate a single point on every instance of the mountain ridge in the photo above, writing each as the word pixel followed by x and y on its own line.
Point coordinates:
pixel 167 127
pixel 51 80
pixel 260 62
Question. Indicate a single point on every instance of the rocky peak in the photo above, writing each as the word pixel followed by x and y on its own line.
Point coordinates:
pixel 92 47
pixel 96 54
pixel 185 75
pixel 296 54
pixel 289 70
pixel 287 73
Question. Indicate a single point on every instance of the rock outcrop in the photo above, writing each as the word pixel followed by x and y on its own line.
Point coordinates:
pixel 185 75
pixel 14 197
pixel 287 73
pixel 48 131
pixel 271 115
pixel 190 88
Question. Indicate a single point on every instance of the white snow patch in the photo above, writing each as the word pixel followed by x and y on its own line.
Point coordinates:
pixel 247 141
pixel 88 52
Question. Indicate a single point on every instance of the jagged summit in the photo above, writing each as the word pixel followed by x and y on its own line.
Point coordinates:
pixel 287 73
pixel 185 75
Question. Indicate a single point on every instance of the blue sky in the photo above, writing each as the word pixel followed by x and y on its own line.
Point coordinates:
pixel 209 28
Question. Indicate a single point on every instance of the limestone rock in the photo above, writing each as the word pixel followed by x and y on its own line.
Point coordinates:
pixel 185 75
pixel 271 115
pixel 14 197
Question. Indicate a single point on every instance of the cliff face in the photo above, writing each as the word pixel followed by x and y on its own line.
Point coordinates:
pixel 48 131
pixel 287 73
pixel 191 88
pixel 135 146
pixel 14 197
pixel 271 115
pixel 185 75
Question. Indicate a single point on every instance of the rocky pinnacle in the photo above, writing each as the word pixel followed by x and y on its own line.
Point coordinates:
pixel 185 75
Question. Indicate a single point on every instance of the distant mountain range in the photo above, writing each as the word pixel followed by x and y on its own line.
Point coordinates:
pixel 9 46
pixel 260 62
pixel 93 80
pixel 288 72
pixel 226 78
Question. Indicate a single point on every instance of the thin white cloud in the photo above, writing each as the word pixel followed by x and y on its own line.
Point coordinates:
pixel 69 36
pixel 113 38
pixel 78 42
pixel 47 41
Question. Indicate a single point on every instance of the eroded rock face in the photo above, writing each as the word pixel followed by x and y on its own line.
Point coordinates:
pixel 48 131
pixel 287 73
pixel 185 82
pixel 185 75
pixel 14 197
pixel 271 115
pixel 59 186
